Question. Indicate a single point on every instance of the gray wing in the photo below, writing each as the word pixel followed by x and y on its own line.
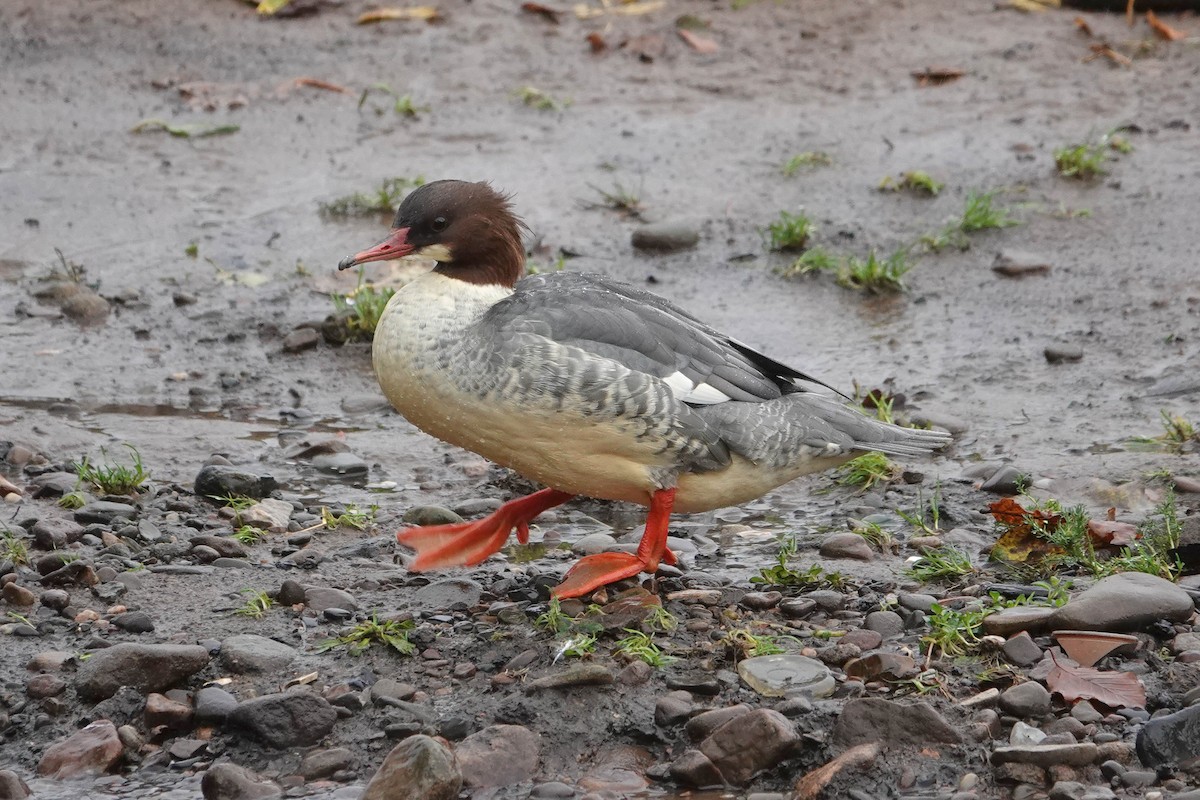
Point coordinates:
pixel 646 334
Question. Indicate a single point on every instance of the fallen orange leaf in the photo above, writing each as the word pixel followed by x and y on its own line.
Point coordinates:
pixel 1163 30
pixel 426 13
pixel 1021 543
pixel 317 83
pixel 597 42
pixel 1082 24
pixel 701 44
pixel 936 76
pixel 547 13
pixel 1112 534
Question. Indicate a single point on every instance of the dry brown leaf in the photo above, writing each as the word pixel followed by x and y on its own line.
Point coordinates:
pixel 1082 25
pixel 937 76
pixel 1034 5
pixel 1113 689
pixel 317 83
pixel 1102 50
pixel 584 11
pixel 701 44
pixel 547 13
pixel 426 13
pixel 809 787
pixel 1163 30
pixel 1108 533
pixel 1020 542
pixel 1129 12
pixel 597 42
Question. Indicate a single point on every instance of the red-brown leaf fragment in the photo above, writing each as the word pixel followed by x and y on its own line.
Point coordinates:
pixel 597 42
pixel 1112 689
pixel 1108 533
pixel 937 76
pixel 701 44
pixel 546 12
pixel 1163 30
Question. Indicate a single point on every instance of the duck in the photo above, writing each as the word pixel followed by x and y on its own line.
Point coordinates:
pixel 587 386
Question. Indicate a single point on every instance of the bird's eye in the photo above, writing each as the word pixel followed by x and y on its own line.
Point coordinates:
pixel 439 224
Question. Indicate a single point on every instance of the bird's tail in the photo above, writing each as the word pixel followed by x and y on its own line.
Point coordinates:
pixel 869 434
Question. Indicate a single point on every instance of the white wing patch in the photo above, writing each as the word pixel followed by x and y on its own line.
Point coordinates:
pixel 688 392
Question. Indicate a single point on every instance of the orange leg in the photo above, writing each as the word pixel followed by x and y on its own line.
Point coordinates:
pixel 592 572
pixel 469 543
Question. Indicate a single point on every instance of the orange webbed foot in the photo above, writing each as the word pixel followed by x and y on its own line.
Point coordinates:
pixel 470 543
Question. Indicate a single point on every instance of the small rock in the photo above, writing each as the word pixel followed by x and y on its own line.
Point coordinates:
pixel 894 724
pixel 213 705
pixel 55 598
pixel 882 666
pixel 887 624
pixel 323 763
pixel 134 622
pixel 11 786
pixel 749 744
pixel 1047 755
pixel 1016 264
pixel 223 546
pixel 782 675
pixel 289 719
pixel 145 667
pixel 1022 650
pixel 40 687
pixel 85 307
pixel 268 514
pixel 846 545
pixel 1062 353
pixel 702 725
pixel 217 480
pixel 796 607
pixel 693 768
pixel 673 708
pixel 1005 480
pixel 183 749
pixel 1011 621
pixel 1171 738
pixel 448 593
pixel 16 595
pixel 301 339
pixel 1028 699
pixel 760 601
pixel 419 768
pixel 91 751
pixel 665 236
pixel 1127 601
pixel 231 782
pixel 499 755
pixel 161 710
pixel 343 464
pixel 1025 734
pixel 431 515
pixel 319 598
pixel 248 654
pixel 104 511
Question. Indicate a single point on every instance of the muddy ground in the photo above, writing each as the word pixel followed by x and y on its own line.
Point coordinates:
pixel 700 137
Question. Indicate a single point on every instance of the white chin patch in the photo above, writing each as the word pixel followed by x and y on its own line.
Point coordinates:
pixel 434 252
pixel 688 392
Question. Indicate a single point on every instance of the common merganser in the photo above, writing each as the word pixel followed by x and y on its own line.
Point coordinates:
pixel 587 386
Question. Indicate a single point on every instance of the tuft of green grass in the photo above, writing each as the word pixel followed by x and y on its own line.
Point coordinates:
pixel 783 575
pixel 189 131
pixel 806 160
pixel 361 309
pixel 536 98
pixel 369 632
pixel 948 563
pixel 553 620
pixel 790 231
pixel 641 646
pixel 383 200
pixel 980 213
pixel 954 633
pixel 192 250
pixel 618 198
pixel 257 604
pixel 927 517
pixel 403 105
pixel 111 478
pixel 351 517
pixel 579 645
pixel 873 274
pixel 1178 433
pixel 816 259
pixel 72 500
pixel 752 645
pixel 661 620
pixel 915 181
pixel 237 502
pixel 1081 161
pixel 866 471
pixel 877 536
pixel 13 549
pixel 248 534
